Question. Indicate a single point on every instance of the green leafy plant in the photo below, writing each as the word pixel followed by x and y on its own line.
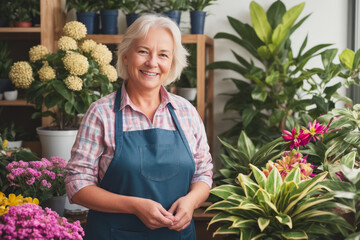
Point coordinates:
pixel 23 11
pixel 5 9
pixel 129 6
pixel 272 208
pixel 110 4
pixel 78 74
pixel 188 76
pixel 238 156
pixel 272 96
pixel 5 60
pixel 82 5
pixel 9 133
pixel 175 5
pixel 200 5
pixel 153 6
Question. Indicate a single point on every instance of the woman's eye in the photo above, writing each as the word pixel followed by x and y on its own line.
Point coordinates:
pixel 142 51
pixel 163 55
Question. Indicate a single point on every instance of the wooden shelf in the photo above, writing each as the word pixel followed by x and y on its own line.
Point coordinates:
pixel 20 30
pixel 19 102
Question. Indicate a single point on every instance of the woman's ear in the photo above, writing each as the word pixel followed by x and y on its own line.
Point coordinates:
pixel 125 59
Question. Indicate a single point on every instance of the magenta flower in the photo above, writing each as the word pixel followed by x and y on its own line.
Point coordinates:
pixel 316 130
pixel 296 138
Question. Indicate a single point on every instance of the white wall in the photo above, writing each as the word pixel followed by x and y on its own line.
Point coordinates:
pixel 327 24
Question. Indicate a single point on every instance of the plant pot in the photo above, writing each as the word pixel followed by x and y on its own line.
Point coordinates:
pixel 97 23
pixel 187 93
pixel 197 21
pixel 56 204
pixel 88 19
pixel 11 95
pixel 14 144
pixel 109 21
pixel 22 24
pixel 174 15
pixel 36 21
pixel 131 17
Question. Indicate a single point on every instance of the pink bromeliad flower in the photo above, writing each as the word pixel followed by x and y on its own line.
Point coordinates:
pixel 296 138
pixel 316 130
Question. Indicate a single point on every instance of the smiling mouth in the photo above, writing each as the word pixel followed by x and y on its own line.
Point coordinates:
pixel 149 73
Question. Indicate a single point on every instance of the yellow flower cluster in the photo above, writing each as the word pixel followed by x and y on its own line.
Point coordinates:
pixel 75 30
pixel 88 45
pixel 21 74
pixel 76 63
pixel 5 143
pixel 14 200
pixel 37 53
pixel 74 83
pixel 110 72
pixel 46 73
pixel 67 43
pixel 101 54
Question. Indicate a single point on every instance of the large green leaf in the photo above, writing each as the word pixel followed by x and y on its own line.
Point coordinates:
pixel 308 203
pixel 294 175
pixel 292 14
pixel 259 176
pixel 228 66
pixel 247 116
pixel 295 235
pixel 273 182
pixel 246 32
pixel 223 217
pixel 224 191
pixel 347 58
pixel 260 23
pixel 259 94
pixel 263 223
pixel 245 145
pixel 328 56
pixel 224 230
pixel 245 44
pixel 222 205
pixel 285 220
pixel 59 86
pixel 349 160
pixel 275 13
pixel 276 117
pixel 248 185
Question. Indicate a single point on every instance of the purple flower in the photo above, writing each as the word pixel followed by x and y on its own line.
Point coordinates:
pixel 296 138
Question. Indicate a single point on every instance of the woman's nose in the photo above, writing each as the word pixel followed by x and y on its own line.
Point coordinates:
pixel 152 61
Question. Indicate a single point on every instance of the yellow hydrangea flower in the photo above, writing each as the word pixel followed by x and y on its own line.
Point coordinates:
pixel 21 74
pixel 67 43
pixel 75 63
pixel 74 83
pixel 75 30
pixel 88 45
pixel 101 54
pixel 46 73
pixel 110 72
pixel 37 53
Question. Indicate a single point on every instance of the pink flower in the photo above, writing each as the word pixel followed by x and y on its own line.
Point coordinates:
pixel 316 130
pixel 296 138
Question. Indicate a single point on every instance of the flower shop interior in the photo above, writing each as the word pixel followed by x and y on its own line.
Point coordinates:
pixel 275 84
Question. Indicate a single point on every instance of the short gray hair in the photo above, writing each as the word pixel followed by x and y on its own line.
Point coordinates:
pixel 139 29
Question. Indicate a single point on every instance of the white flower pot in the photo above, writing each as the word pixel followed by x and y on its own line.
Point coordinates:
pixel 14 144
pixel 59 143
pixel 11 95
pixel 187 93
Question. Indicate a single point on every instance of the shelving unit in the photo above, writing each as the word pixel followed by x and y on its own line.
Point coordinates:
pixel 205 83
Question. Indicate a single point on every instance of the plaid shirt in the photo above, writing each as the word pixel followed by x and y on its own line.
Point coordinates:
pixel 94 147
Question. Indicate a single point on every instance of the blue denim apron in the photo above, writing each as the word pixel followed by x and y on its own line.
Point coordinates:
pixel 155 164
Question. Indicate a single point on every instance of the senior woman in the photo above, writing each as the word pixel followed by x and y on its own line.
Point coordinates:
pixel 141 160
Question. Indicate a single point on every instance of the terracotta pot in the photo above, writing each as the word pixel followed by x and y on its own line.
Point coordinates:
pixel 22 24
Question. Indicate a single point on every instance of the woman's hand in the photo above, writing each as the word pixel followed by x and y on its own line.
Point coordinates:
pixel 183 209
pixel 152 214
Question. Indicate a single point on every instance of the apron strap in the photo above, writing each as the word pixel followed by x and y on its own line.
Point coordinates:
pixel 118 122
pixel 177 124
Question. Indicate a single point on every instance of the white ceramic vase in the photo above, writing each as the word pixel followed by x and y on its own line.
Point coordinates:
pixel 14 144
pixel 11 95
pixel 187 93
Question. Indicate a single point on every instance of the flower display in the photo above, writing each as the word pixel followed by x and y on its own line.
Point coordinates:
pixel 13 200
pixel 41 179
pixel 68 81
pixel 290 160
pixel 29 221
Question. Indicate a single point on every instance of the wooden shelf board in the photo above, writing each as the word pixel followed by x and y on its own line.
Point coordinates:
pixel 20 30
pixel 19 102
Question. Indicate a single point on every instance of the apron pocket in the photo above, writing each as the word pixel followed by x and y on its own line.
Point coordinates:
pixel 159 162
pixel 117 234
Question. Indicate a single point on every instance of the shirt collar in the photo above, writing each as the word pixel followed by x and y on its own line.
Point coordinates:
pixel 166 98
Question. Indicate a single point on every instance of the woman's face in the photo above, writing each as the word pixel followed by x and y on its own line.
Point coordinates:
pixel 149 60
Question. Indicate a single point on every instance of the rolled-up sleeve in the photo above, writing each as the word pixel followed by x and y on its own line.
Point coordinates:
pixel 202 156
pixel 83 167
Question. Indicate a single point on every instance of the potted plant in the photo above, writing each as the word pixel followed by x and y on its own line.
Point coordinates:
pixel 131 10
pixel 197 14
pixel 70 79
pixel 22 13
pixel 5 65
pixel 34 6
pixel 173 8
pixel 109 16
pixel 11 135
pixel 186 85
pixel 85 12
